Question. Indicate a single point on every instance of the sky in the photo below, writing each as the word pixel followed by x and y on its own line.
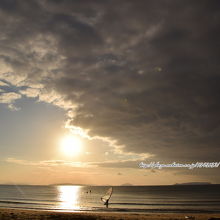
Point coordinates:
pixel 131 81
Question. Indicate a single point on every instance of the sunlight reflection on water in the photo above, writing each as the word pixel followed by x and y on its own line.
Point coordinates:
pixel 68 197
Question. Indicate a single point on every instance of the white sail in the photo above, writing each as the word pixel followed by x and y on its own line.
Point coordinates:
pixel 107 195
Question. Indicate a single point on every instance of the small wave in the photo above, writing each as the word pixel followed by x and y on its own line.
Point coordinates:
pixel 29 199
pixel 20 202
pixel 167 204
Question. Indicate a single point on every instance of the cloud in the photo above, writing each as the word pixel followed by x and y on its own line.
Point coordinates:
pixel 30 92
pixel 133 164
pixel 144 74
pixel 47 163
pixel 50 163
pixel 9 97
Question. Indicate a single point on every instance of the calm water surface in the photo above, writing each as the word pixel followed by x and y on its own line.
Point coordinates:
pixel 125 198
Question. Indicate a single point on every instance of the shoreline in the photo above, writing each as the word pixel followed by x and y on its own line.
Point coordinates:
pixel 23 214
pixel 119 210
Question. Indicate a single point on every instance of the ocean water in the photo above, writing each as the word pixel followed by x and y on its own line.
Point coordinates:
pixel 176 198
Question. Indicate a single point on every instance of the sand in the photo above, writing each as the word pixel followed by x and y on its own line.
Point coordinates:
pixel 19 214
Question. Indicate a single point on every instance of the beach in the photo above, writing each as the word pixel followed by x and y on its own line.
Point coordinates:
pixel 21 214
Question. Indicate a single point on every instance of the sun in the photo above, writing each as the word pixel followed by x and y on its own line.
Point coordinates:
pixel 70 145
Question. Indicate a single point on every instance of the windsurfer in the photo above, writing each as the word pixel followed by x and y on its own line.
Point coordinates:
pixel 106 203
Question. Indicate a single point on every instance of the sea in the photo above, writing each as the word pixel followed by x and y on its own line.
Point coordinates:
pixel 148 199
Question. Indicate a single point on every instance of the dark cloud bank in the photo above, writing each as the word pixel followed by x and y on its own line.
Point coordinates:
pixel 145 73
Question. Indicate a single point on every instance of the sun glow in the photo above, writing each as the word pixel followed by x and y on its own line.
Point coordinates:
pixel 71 145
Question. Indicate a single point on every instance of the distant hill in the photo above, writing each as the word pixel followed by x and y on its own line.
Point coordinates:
pixel 127 184
pixel 67 184
pixel 194 183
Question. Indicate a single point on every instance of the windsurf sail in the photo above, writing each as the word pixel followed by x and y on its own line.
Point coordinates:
pixel 107 195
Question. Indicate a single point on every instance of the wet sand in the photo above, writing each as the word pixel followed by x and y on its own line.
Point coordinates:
pixel 6 214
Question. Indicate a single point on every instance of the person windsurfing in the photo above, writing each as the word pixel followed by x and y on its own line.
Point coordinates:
pixel 105 199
